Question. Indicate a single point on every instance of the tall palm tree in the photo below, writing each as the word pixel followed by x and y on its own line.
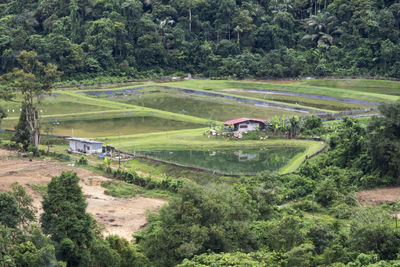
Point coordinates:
pixel 321 29
pixel 281 5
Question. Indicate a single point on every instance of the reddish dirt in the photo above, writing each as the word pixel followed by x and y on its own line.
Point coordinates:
pixel 121 216
pixel 379 196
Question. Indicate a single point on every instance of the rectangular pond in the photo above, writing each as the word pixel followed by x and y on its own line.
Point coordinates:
pixel 98 127
pixel 232 161
pixel 194 103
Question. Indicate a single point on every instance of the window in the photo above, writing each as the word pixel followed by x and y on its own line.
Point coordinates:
pixel 243 126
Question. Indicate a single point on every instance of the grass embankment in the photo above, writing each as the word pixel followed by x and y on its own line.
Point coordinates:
pixel 312 148
pixel 363 85
pixel 122 189
pixel 294 87
pixel 330 105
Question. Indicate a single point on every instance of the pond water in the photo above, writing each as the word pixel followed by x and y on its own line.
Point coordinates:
pixel 119 126
pixel 229 161
pixel 208 105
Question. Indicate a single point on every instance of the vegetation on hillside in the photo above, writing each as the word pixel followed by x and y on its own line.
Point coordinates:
pixel 212 38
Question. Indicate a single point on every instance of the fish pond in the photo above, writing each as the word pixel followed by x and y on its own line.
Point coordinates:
pixel 97 127
pixel 207 105
pixel 231 161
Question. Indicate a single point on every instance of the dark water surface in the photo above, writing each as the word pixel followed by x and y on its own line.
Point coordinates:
pixel 229 161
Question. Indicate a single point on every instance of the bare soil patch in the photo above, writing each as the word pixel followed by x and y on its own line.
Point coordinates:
pixel 378 196
pixel 6 153
pixel 121 216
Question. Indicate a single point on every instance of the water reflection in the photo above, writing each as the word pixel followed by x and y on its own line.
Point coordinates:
pixel 229 161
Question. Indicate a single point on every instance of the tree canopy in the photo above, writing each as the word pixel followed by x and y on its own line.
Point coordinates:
pixel 137 38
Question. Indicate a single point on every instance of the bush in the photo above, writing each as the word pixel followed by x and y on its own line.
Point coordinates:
pixel 307 205
pixel 32 149
pixel 82 161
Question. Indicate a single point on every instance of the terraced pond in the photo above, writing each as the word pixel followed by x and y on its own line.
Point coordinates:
pixel 112 126
pixel 55 104
pixel 321 102
pixel 229 161
pixel 194 103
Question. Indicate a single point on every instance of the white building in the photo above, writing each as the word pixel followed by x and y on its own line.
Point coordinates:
pixel 246 124
pixel 86 146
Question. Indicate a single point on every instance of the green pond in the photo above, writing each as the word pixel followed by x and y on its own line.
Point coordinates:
pixel 229 161
pixel 119 126
pixel 201 106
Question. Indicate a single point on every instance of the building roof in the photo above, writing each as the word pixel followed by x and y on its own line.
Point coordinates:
pixel 88 141
pixel 232 122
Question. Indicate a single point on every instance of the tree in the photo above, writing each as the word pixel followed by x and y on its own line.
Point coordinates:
pixel 190 5
pixel 321 28
pixel 371 230
pixel 215 219
pixel 9 212
pixel 384 141
pixel 33 79
pixel 49 129
pixel 2 114
pixel 294 126
pixel 243 22
pixel 130 256
pixel 22 133
pixel 65 218
pixel 24 203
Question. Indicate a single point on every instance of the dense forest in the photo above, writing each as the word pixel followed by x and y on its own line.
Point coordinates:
pixel 223 38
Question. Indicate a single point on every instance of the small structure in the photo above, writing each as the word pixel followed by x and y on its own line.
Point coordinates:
pixel 86 146
pixel 246 124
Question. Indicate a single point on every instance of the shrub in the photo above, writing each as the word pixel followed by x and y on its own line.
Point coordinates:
pixel 82 161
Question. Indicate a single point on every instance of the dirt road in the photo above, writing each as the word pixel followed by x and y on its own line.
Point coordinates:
pixel 121 216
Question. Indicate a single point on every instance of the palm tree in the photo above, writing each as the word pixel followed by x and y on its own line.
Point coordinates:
pixel 294 126
pixel 281 5
pixel 321 28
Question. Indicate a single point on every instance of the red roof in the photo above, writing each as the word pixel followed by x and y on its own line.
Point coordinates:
pixel 232 122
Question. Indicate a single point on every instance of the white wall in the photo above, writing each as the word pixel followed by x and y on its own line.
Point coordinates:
pixel 248 126
pixel 77 146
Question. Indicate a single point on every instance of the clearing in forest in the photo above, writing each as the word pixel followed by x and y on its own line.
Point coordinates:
pixel 379 196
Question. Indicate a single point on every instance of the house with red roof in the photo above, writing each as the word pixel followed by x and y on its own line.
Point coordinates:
pixel 246 124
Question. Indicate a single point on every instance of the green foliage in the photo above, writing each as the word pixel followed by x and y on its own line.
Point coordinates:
pixel 83 161
pixel 120 189
pixel 107 165
pixel 129 253
pixel 22 133
pixel 65 218
pixel 10 215
pixel 256 259
pixel 384 142
pixel 370 231
pixel 32 79
pixel 199 221
pixel 24 203
pixel 94 41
